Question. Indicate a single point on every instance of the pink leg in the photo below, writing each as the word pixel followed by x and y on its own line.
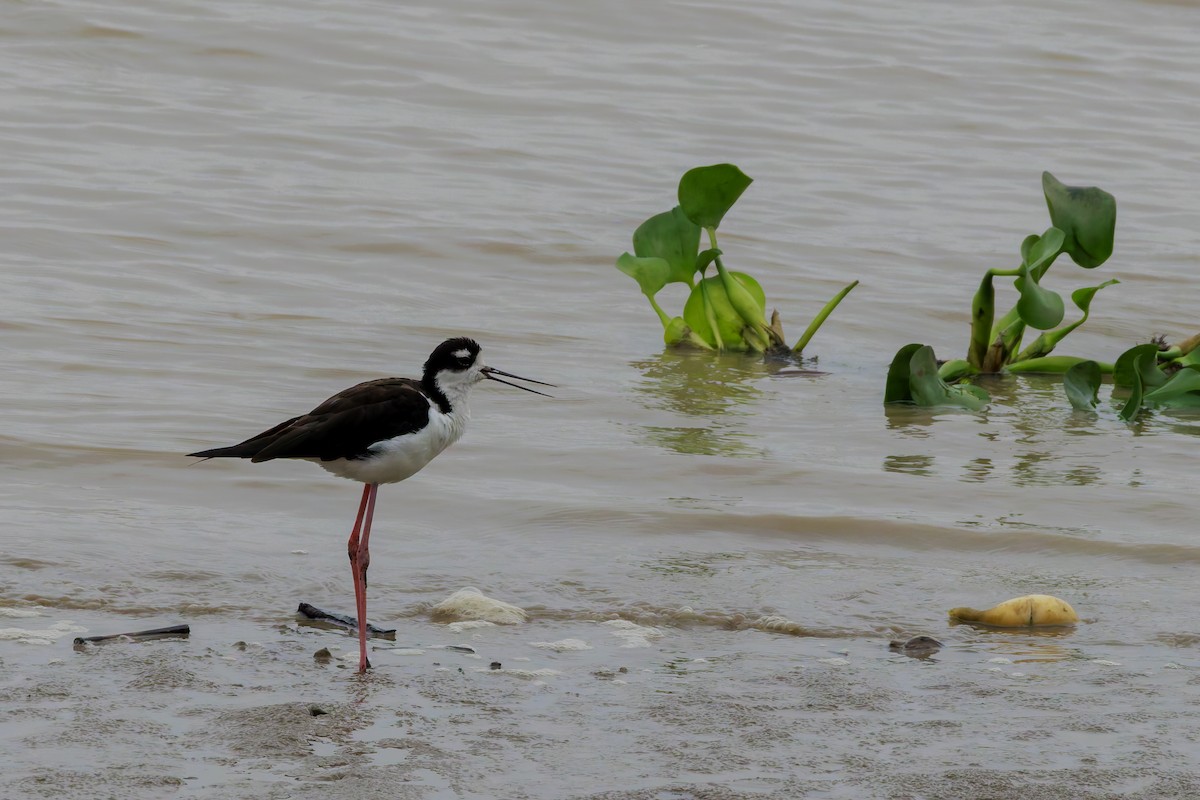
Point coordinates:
pixel 359 561
pixel 355 548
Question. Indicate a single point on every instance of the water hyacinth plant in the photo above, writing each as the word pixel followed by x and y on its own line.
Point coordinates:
pixel 1155 375
pixel 725 311
pixel 1083 224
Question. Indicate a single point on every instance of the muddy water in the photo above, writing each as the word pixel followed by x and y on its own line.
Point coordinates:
pixel 216 214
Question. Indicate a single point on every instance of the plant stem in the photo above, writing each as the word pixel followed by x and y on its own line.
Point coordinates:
pixel 711 316
pixel 958 368
pixel 983 312
pixel 1052 365
pixel 820 318
pixel 662 315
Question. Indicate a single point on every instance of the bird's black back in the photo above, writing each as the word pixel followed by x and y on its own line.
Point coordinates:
pixel 344 426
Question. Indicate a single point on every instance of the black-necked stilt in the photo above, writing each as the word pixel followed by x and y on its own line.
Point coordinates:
pixel 381 431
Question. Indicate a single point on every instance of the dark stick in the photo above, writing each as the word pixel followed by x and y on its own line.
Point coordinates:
pixel 343 621
pixel 174 631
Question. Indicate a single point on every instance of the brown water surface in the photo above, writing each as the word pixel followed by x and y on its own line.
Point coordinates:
pixel 214 215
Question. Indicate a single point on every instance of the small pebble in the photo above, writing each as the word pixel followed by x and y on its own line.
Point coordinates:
pixel 317 711
pixel 917 646
pixel 322 656
pixel 495 665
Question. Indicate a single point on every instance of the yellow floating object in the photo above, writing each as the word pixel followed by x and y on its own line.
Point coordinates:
pixel 1020 612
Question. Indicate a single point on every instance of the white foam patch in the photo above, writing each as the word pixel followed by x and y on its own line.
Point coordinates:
pixel 46 636
pixel 472 604
pixel 773 623
pixel 563 645
pixel 834 662
pixel 632 634
pixel 20 613
pixel 470 625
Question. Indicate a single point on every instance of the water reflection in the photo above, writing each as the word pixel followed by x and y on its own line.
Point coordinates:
pixel 1028 436
pixel 715 390
pixel 714 441
pixel 978 470
pixel 909 465
pixel 1023 646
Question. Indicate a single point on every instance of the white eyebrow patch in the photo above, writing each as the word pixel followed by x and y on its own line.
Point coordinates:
pixel 464 353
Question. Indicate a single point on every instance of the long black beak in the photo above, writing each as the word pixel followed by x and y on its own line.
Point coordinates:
pixel 492 372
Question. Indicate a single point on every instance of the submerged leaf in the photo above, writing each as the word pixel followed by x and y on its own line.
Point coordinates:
pixel 928 388
pixel 913 378
pixel 1088 217
pixel 707 193
pixel 672 237
pixel 1082 383
pixel 1134 404
pixel 897 389
pixel 1129 370
pixel 1181 391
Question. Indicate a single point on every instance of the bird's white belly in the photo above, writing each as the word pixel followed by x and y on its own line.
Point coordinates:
pixel 393 460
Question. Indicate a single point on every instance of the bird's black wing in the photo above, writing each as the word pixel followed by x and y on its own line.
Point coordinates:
pixel 344 426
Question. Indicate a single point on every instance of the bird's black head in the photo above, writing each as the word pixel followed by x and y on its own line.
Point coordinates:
pixel 456 365
pixel 453 355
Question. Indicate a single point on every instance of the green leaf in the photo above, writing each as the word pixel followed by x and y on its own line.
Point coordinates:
pixel 928 389
pixel 1082 298
pixel 705 258
pixel 707 193
pixel 729 323
pixel 1134 404
pixel 1088 217
pixel 672 237
pixel 1181 391
pixel 1039 252
pixel 1082 383
pixel 897 389
pixel 1039 308
pixel 1129 371
pixel 1046 342
pixel 650 273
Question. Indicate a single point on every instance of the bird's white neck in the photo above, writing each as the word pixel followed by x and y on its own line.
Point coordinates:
pixel 456 388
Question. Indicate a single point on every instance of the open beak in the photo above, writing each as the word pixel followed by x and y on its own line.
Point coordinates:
pixel 492 372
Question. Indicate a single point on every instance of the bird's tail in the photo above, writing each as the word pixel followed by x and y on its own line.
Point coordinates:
pixel 236 451
pixel 249 448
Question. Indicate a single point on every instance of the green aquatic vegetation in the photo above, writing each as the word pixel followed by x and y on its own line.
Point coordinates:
pixel 1082 384
pixel 1083 224
pixel 1153 376
pixel 725 311
pixel 913 378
